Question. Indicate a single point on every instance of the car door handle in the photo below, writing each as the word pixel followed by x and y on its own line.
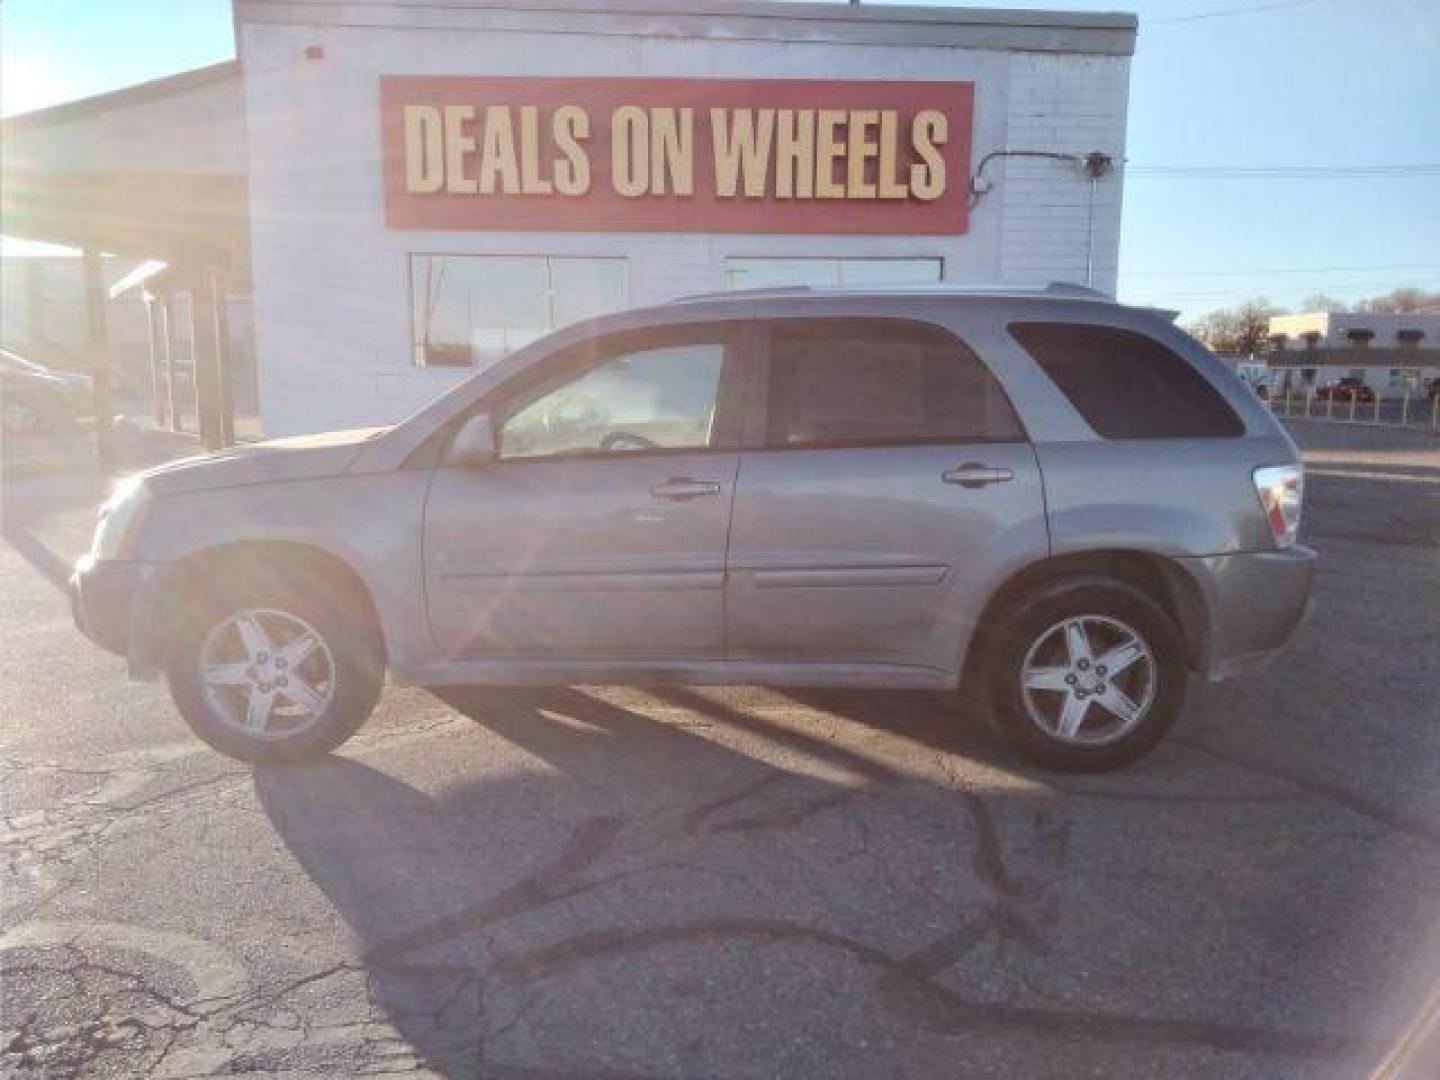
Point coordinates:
pixel 973 475
pixel 680 488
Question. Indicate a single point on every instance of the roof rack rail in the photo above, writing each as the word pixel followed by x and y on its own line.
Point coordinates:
pixel 1054 288
pixel 1069 288
pixel 763 290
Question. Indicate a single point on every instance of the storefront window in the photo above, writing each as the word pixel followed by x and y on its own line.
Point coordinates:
pixel 471 310
pixel 766 273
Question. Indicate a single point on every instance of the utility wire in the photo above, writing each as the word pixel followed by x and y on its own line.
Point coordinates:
pixel 1282 270
pixel 1245 292
pixel 1282 172
pixel 1225 13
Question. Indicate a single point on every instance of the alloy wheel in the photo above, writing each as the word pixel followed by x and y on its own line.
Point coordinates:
pixel 268 674
pixel 1088 680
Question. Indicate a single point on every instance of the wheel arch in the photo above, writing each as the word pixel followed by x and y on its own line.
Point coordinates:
pixel 1160 578
pixel 233 564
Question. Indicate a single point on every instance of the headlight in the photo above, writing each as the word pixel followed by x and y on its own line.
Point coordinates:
pixel 119 517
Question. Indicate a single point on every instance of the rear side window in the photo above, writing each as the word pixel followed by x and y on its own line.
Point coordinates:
pixel 1127 385
pixel 848 382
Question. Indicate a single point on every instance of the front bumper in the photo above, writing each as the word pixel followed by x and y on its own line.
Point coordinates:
pixel 1256 603
pixel 111 602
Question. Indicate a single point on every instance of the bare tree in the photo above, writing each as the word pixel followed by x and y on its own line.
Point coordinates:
pixel 1323 302
pixel 1241 329
pixel 1404 299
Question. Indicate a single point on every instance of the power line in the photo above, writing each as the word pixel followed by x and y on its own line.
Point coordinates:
pixel 1389 281
pixel 1282 270
pixel 1282 172
pixel 1252 289
pixel 1247 291
pixel 1285 170
pixel 1225 13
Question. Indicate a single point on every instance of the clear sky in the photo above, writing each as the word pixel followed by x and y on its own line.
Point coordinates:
pixel 1216 84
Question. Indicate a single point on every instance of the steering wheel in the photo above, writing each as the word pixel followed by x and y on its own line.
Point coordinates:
pixel 614 439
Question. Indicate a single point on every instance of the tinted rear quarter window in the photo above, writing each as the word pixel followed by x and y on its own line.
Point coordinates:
pixel 1127 385
pixel 879 382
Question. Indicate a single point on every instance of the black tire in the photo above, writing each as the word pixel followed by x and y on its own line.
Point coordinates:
pixel 354 646
pixel 1023 626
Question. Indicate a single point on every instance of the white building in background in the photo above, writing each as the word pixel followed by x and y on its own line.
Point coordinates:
pixel 375 287
pixel 1346 329
pixel 408 189
pixel 1393 354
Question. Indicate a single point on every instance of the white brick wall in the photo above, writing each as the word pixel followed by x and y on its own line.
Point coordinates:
pixel 332 304
pixel 1069 104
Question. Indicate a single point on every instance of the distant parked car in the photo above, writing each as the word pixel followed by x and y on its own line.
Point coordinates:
pixel 37 399
pixel 1346 389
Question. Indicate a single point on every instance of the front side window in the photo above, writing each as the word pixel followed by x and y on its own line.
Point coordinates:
pixel 660 397
pixel 472 310
pixel 879 382
pixel 1127 385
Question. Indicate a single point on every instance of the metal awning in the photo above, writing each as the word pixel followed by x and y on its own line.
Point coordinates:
pixel 147 273
pixel 155 170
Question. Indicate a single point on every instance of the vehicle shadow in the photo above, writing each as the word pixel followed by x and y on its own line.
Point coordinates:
pixel 47 514
pixel 52 566
pixel 47 519
pixel 660 875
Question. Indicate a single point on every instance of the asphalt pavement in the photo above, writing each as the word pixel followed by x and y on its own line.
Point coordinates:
pixel 606 883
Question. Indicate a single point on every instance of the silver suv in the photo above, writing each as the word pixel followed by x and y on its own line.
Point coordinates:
pixel 1058 504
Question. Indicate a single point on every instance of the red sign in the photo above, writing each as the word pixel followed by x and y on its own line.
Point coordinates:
pixel 676 155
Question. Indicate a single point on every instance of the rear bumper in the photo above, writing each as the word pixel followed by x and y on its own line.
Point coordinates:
pixel 1256 603
pixel 112 604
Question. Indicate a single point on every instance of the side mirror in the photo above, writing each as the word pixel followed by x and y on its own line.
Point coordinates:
pixel 474 444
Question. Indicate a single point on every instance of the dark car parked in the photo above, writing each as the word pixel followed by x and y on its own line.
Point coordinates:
pixel 1346 389
pixel 36 399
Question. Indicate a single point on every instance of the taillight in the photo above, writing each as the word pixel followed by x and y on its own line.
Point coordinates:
pixel 1281 489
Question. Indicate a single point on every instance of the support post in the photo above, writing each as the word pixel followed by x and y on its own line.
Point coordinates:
pixel 97 340
pixel 203 342
pixel 34 301
pixel 155 334
pixel 167 321
pixel 223 358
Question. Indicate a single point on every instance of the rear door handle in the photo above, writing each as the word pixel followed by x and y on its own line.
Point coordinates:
pixel 680 488
pixel 973 475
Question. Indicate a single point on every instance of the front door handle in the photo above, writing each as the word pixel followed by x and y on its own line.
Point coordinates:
pixel 973 475
pixel 680 488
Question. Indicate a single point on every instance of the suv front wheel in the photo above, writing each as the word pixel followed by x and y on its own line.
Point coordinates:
pixel 275 675
pixel 1087 674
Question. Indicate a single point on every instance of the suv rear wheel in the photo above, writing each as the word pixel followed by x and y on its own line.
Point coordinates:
pixel 1087 674
pixel 275 675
